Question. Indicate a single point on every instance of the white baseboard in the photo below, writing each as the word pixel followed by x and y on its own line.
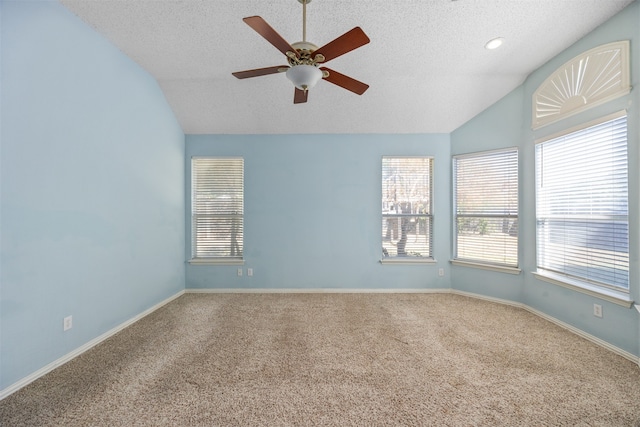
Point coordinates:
pixel 583 334
pixel 630 356
pixel 78 351
pixel 487 298
pixel 313 291
pixel 66 358
pixel 579 332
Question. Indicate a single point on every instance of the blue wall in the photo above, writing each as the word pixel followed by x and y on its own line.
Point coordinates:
pixel 508 123
pixel 93 196
pixel 497 127
pixel 92 188
pixel 312 211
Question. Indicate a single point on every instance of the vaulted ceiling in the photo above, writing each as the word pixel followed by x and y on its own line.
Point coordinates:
pixel 426 64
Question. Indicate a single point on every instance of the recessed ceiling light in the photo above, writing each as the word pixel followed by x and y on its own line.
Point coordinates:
pixel 494 43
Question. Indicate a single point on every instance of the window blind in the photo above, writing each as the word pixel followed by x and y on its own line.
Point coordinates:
pixel 217 207
pixel 407 219
pixel 582 221
pixel 485 187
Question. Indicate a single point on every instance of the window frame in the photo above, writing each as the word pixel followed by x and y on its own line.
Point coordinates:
pixel 417 217
pixel 603 291
pixel 217 260
pixel 480 261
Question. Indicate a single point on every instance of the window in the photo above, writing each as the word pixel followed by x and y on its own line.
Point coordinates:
pixel 591 78
pixel 582 226
pixel 217 208
pixel 485 187
pixel 407 219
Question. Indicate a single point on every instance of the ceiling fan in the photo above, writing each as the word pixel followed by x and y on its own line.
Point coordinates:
pixel 304 58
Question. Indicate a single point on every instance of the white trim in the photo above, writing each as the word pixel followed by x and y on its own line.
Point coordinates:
pixel 78 351
pixel 585 335
pixel 573 329
pixel 585 288
pixel 582 126
pixel 482 153
pixel 523 306
pixel 605 78
pixel 498 268
pixel 313 291
pixel 216 261
pixel 408 261
pixel 48 368
pixel 488 298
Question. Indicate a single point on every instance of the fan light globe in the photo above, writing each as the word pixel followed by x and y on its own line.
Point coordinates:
pixel 304 77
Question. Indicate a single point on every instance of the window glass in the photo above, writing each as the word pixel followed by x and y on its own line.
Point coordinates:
pixel 407 219
pixel 582 226
pixel 486 207
pixel 217 207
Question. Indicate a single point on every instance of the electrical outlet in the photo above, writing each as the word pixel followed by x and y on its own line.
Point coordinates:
pixel 597 310
pixel 239 272
pixel 441 272
pixel 67 323
pixel 249 271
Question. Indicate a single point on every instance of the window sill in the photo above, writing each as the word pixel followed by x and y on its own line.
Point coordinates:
pixel 215 261
pixel 617 297
pixel 498 268
pixel 408 260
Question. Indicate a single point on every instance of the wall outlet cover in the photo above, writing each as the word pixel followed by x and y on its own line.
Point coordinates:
pixel 67 323
pixel 597 310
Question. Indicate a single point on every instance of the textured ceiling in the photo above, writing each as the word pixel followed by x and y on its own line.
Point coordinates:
pixel 426 64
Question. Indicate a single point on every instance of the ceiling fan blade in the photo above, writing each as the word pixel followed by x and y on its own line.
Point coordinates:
pixel 347 42
pixel 265 30
pixel 300 96
pixel 260 71
pixel 345 82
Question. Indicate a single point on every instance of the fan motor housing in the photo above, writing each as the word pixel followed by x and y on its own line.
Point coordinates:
pixel 304 47
pixel 305 51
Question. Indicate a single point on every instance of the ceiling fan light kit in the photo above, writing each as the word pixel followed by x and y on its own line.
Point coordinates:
pixel 304 58
pixel 304 77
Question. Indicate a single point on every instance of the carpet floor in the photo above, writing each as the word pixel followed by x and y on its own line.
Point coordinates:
pixel 337 360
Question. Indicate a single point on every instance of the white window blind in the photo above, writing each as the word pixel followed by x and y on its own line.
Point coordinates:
pixel 407 219
pixel 582 205
pixel 217 207
pixel 486 207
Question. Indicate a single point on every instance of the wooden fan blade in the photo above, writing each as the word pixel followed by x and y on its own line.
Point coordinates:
pixel 345 43
pixel 265 30
pixel 259 72
pixel 346 82
pixel 300 96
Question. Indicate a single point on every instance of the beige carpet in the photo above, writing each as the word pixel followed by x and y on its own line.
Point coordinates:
pixel 335 359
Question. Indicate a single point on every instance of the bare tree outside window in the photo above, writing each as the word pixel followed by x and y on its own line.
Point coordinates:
pixel 406 207
pixel 217 208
